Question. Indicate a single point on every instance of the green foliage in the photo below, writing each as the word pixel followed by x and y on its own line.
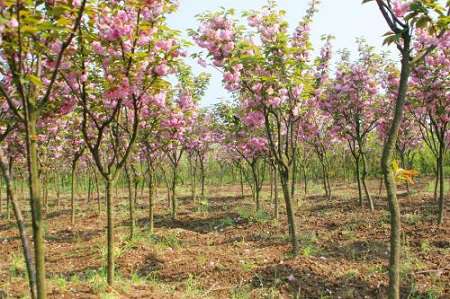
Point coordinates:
pixel 249 215
pixel 168 240
pixel 17 266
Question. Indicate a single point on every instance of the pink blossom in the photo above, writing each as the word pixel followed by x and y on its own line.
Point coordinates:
pixel 401 8
pixel 162 69
pixel 254 119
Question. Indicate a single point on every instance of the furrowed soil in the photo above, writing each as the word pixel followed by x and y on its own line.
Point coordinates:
pixel 221 248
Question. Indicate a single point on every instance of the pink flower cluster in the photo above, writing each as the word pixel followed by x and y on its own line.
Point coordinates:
pixel 401 8
pixel 232 78
pixel 254 146
pixel 254 119
pixel 217 36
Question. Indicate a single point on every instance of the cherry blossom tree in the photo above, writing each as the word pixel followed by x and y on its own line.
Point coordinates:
pixel 355 106
pixel 268 70
pixel 29 64
pixel 403 18
pixel 430 102
pixel 119 60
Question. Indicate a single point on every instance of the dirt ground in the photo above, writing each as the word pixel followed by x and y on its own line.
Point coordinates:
pixel 220 248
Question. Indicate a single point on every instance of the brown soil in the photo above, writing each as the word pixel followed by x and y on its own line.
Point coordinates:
pixel 223 250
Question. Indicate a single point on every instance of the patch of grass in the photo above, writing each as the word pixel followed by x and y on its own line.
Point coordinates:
pixel 241 293
pixel 430 187
pixel 410 262
pixel 376 269
pixel 193 288
pixel 434 292
pixel 59 281
pixel 203 205
pixel 425 246
pixel 247 266
pixel 17 266
pixel 251 216
pixel 225 222
pixel 351 274
pixel 412 219
pixel 169 239
pixel 108 296
pixel 308 244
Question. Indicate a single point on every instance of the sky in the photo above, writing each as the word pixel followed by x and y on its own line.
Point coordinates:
pixel 346 20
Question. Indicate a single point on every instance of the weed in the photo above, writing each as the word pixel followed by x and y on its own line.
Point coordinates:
pixel 425 246
pixel 193 288
pixel 247 266
pixel 169 239
pixel 251 216
pixel 241 293
pixel 17 267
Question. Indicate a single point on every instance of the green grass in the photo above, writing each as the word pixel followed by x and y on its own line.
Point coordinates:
pixel 252 216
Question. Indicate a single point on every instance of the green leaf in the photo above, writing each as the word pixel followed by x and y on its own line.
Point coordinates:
pixel 34 79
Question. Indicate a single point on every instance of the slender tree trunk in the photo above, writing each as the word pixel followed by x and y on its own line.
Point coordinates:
pixel 130 202
pixel 305 179
pixel 35 200
pixel 241 176
pixel 89 187
pixel 358 180
pixel 109 233
pixel 58 191
pixel 284 178
pixel 97 188
pixel 441 185
pixel 136 188
pixel 173 195
pixel 294 178
pixel 275 199
pixel 386 166
pixel 202 177
pixel 324 178
pixel 151 193
pixel 363 179
pixel 72 192
pixel 1 197
pixel 256 186
pixel 436 182
pixel 22 231
pixel 192 173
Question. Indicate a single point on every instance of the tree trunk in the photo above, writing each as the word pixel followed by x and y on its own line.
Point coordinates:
pixel 35 200
pixel 72 192
pixel 193 174
pixel 151 194
pixel 284 178
pixel 1 195
pixel 97 188
pixel 22 231
pixel 363 179
pixel 202 177
pixel 130 202
pixel 275 199
pixel 324 177
pixel 441 185
pixel 358 180
pixel 89 187
pixel 110 240
pixel 305 179
pixel 241 181
pixel 256 186
pixel 386 166
pixel 436 182
pixel 294 178
pixel 173 195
